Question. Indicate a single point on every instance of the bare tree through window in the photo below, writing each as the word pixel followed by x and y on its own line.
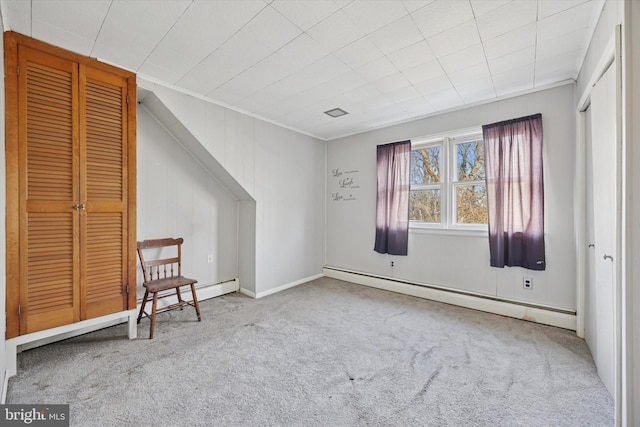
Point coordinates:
pixel 464 186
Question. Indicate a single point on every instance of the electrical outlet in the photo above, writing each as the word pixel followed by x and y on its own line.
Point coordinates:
pixel 527 282
pixel 210 258
pixel 392 264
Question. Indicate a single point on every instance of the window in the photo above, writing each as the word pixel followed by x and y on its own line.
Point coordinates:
pixel 448 188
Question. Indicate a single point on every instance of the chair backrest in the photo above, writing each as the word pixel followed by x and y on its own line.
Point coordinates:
pixel 159 268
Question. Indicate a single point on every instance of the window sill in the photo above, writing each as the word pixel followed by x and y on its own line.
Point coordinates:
pixel 451 231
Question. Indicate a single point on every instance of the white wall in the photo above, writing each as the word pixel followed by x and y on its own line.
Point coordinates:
pixel 177 197
pixel 282 170
pixel 458 260
pixel 611 16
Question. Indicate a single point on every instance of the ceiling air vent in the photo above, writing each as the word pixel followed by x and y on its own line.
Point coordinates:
pixel 336 112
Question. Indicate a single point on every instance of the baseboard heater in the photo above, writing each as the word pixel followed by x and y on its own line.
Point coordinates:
pixel 519 310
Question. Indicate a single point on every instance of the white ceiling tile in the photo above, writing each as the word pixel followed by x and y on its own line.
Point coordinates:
pixel 324 91
pixel 403 94
pixel 160 61
pixel 377 69
pixel 123 30
pixel 470 74
pixel 558 45
pixel 464 58
pixel 272 29
pixel 442 15
pixel 568 21
pixel 237 55
pixel 548 8
pixel 304 50
pixel 437 84
pixel 203 27
pixel 375 103
pixel 410 56
pixel 227 95
pixel 445 99
pixel 206 25
pixel 513 60
pixel 325 69
pixel 361 94
pixel 164 73
pixel 507 18
pixel 358 53
pixel 85 21
pixel 557 68
pixel 476 91
pixel 416 106
pixel 108 53
pixel 514 80
pixel 510 42
pixel 336 31
pixel 261 75
pixel 455 39
pixel 58 36
pixel 371 15
pixel 480 7
pixel 304 14
pixel 422 72
pixel 345 82
pixel 392 83
pixel 396 35
pixel 413 5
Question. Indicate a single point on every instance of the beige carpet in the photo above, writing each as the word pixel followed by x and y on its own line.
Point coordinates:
pixel 326 353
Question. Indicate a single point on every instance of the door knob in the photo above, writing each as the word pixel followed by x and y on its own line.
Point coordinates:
pixel 591 245
pixel 607 256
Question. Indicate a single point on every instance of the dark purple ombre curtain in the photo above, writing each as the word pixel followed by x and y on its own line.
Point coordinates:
pixel 392 201
pixel 515 192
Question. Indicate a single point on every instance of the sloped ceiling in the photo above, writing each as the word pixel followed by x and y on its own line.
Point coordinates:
pixel 288 61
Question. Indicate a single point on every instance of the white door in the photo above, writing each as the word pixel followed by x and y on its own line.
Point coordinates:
pixel 602 295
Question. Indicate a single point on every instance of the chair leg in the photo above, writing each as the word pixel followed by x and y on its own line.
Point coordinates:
pixel 153 315
pixel 144 302
pixel 195 301
pixel 179 295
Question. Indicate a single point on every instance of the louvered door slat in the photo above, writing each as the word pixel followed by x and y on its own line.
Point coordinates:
pixel 105 274
pixel 50 294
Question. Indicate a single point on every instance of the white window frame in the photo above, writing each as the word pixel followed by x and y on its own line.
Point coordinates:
pixel 448 180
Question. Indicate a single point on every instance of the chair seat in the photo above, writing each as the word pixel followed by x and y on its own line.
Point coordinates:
pixel 168 283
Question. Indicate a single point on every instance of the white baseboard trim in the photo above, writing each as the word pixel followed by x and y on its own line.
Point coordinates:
pixel 545 316
pixel 205 292
pixel 280 288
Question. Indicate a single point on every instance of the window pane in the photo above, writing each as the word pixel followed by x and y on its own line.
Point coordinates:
pixel 471 204
pixel 425 165
pixel 425 205
pixel 470 161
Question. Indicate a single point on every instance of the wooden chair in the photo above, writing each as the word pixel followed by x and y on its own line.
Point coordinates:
pixel 164 274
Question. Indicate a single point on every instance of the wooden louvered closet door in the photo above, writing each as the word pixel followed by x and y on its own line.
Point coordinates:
pixel 103 159
pixel 48 152
pixel 70 149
